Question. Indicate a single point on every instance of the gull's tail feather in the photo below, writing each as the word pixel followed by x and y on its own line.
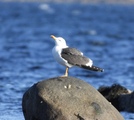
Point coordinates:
pixel 93 68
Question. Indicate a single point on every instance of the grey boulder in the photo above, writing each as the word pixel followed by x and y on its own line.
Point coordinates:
pixel 66 98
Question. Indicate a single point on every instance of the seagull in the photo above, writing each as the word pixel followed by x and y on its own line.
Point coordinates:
pixel 70 57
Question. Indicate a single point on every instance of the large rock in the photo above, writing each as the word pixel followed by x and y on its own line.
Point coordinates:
pixel 66 99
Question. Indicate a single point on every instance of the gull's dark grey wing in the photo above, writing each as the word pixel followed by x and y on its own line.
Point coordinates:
pixel 72 51
pixel 74 57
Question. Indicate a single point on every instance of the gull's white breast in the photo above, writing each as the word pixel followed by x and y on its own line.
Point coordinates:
pixel 56 51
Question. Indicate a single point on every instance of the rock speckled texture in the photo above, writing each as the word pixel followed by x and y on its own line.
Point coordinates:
pixel 66 98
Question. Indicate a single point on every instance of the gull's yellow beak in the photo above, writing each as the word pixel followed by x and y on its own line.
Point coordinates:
pixel 52 36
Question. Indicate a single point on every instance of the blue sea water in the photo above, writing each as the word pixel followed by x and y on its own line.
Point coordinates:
pixel 103 32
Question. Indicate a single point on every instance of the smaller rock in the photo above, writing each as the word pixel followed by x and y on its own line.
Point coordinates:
pixel 126 102
pixel 120 97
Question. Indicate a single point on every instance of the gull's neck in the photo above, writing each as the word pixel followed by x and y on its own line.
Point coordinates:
pixel 61 46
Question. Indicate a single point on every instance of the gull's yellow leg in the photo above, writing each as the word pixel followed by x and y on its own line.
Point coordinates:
pixel 66 72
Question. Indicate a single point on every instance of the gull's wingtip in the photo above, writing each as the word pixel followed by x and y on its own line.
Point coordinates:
pixel 93 68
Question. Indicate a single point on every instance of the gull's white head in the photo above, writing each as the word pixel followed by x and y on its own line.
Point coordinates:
pixel 59 41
